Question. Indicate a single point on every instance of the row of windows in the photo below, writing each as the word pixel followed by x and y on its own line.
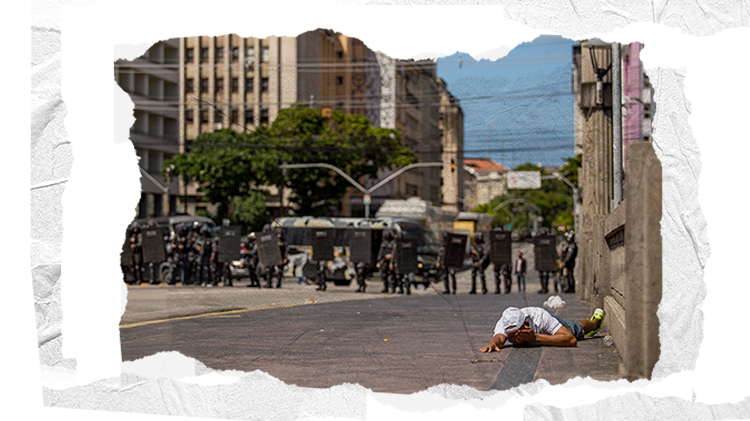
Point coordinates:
pixel 234 115
pixel 219 85
pixel 234 55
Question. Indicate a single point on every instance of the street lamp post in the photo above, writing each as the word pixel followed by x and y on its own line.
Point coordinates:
pixel 575 195
pixel 359 187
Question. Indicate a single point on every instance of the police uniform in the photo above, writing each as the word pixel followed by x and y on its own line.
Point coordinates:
pixel 136 249
pixel 204 247
pixel 251 260
pixel 447 274
pixel 181 247
pixel 384 262
pixel 480 258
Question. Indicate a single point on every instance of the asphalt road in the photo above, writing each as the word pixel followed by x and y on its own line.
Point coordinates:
pixel 387 343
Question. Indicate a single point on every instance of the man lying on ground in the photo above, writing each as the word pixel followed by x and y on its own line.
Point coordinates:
pixel 535 325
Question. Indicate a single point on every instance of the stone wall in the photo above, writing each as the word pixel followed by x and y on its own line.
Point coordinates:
pixel 623 264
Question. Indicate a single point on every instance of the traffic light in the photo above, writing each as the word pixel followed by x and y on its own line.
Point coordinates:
pixel 453 165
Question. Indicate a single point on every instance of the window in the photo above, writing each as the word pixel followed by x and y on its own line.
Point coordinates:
pixel 249 56
pixel 189 115
pixel 339 80
pixel 204 55
pixel 219 87
pixel 249 116
pixel 234 116
pixel 189 86
pixel 264 116
pixel 264 54
pixel 204 85
pixel 189 55
pixel 340 54
pixel 204 115
pixel 219 55
pixel 235 54
pixel 248 84
pixel 235 84
pixel 218 115
pixel 264 84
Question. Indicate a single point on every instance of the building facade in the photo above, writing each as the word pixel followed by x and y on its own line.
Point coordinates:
pixel 618 233
pixel 488 180
pixel 240 83
pixel 152 81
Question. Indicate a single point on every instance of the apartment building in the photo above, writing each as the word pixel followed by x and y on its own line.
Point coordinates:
pixel 152 82
pixel 240 83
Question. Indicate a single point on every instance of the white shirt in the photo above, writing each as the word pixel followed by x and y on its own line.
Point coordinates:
pixel 540 320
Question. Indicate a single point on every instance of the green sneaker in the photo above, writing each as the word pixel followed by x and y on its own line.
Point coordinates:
pixel 598 315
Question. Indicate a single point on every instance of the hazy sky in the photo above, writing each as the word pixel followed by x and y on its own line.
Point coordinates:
pixel 518 108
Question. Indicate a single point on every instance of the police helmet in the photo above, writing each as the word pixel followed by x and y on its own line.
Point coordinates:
pixel 478 237
pixel 570 235
pixel 251 236
pixel 444 234
pixel 280 234
pixel 135 226
pixel 205 230
pixel 225 222
pixel 267 227
pixel 388 234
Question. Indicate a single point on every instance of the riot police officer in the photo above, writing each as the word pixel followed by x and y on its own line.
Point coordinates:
pixel 204 247
pixel 502 273
pixel 448 275
pixel 251 260
pixel 571 252
pixel 136 249
pixel 279 269
pixel 385 254
pixel 480 258
pixel 401 279
pixel 181 247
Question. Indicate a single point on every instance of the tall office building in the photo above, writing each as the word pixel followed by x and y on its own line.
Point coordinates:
pixel 240 83
pixel 152 82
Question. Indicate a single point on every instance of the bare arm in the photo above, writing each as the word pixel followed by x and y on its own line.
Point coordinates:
pixel 495 344
pixel 562 337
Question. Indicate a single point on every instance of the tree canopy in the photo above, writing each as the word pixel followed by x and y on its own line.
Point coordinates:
pixel 228 164
pixel 554 199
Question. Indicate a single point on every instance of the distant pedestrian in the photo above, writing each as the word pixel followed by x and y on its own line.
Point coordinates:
pixel 520 269
pixel 535 325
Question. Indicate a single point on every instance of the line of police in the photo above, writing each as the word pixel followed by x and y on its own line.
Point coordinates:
pixel 194 256
pixel 549 261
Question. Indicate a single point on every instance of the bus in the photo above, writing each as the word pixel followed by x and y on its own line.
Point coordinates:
pixel 297 231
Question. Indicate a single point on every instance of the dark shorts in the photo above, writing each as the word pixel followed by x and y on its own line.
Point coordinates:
pixel 574 327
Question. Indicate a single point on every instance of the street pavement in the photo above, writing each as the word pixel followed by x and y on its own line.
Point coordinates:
pixel 387 343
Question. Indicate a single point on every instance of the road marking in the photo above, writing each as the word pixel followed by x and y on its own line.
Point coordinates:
pixel 243 310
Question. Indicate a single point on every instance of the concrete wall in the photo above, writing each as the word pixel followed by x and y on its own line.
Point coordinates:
pixel 624 264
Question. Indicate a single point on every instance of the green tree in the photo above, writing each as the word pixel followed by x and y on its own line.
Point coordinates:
pixel 228 165
pixel 348 142
pixel 554 199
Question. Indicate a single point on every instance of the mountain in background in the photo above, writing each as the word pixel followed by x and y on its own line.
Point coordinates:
pixel 518 108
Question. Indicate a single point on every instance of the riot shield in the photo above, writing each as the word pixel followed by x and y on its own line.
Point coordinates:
pixel 229 243
pixel 455 251
pixel 500 246
pixel 361 245
pixel 322 244
pixel 545 253
pixel 268 249
pixel 406 255
pixel 126 257
pixel 153 245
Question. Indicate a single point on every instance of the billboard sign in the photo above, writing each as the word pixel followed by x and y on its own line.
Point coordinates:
pixel 524 179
